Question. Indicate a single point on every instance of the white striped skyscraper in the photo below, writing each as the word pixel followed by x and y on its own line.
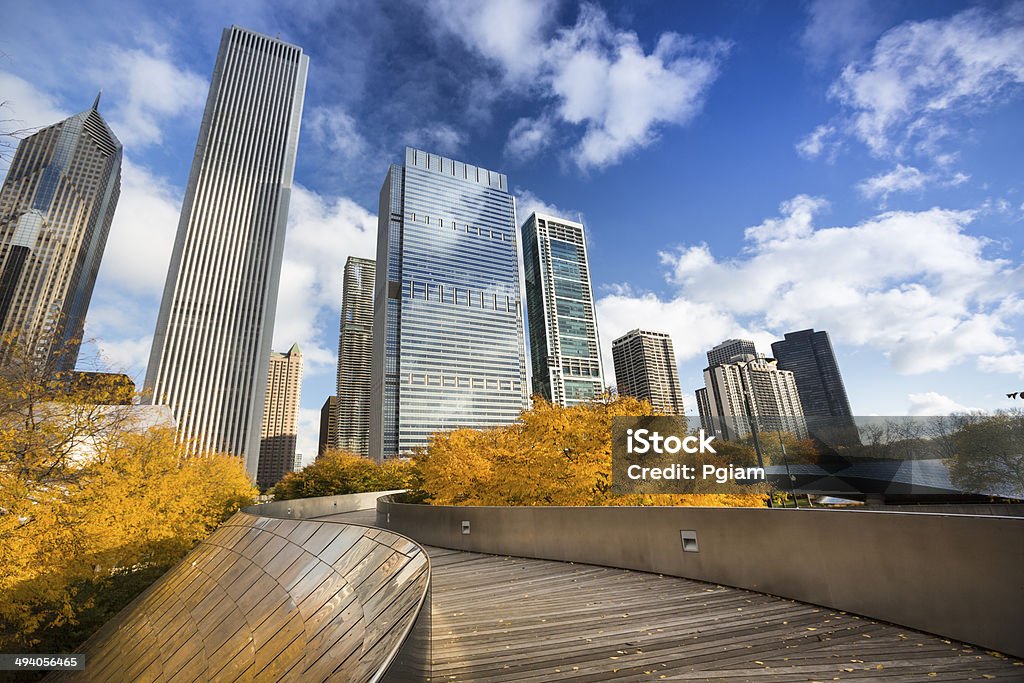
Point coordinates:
pixel 56 207
pixel 212 342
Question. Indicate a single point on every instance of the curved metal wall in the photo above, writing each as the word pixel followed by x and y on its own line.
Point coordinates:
pixel 958 576
pixel 275 599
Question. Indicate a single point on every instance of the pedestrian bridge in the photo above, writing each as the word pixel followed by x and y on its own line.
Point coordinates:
pixel 491 594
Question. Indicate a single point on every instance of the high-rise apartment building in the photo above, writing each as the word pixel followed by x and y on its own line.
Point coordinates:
pixel 279 431
pixel 729 349
pixel 752 389
pixel 564 344
pixel 448 346
pixel 355 355
pixel 645 367
pixel 56 207
pixel 216 321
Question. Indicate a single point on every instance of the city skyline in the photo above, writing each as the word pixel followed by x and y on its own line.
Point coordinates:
pixel 698 202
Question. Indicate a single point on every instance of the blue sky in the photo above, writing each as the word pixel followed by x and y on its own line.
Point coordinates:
pixel 743 168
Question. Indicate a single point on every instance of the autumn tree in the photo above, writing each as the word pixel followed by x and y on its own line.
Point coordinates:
pixel 93 505
pixel 988 454
pixel 551 456
pixel 339 472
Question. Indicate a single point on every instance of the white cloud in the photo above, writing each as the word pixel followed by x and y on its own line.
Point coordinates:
pixel 527 203
pixel 912 285
pixel 309 433
pixel 322 234
pixel 437 137
pixel 934 403
pixel 529 137
pixel 906 179
pixel 1008 363
pixel 819 141
pixel 144 88
pixel 504 31
pixel 839 28
pixel 604 85
pixel 900 179
pixel 335 129
pixel 142 234
pixel 23 108
pixel 922 75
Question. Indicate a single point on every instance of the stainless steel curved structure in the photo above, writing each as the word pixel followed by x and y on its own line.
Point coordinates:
pixel 268 599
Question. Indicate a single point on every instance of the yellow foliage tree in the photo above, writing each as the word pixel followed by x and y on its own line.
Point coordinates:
pixel 92 506
pixel 552 456
pixel 338 472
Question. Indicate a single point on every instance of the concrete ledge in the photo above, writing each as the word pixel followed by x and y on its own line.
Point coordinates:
pixel 958 576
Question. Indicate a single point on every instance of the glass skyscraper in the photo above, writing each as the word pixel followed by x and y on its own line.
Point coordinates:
pixel 809 356
pixel 564 346
pixel 212 342
pixel 355 353
pixel 447 328
pixel 56 207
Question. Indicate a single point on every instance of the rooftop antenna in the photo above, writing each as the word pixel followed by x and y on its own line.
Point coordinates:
pixel 96 102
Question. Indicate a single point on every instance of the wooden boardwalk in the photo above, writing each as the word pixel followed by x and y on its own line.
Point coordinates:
pixel 513 619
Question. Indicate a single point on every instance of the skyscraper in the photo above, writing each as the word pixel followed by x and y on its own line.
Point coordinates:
pixel 447 328
pixel 355 353
pixel 564 345
pixel 328 429
pixel 808 355
pixel 750 386
pixel 213 334
pixel 56 207
pixel 729 349
pixel 279 430
pixel 645 367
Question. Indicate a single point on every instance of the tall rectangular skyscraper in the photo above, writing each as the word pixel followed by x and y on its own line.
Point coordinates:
pixel 564 346
pixel 56 207
pixel 279 431
pixel 645 367
pixel 355 353
pixel 448 346
pixel 216 322
pixel 809 356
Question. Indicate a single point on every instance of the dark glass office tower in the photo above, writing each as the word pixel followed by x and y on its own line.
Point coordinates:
pixel 447 327
pixel 211 347
pixel 56 207
pixel 564 346
pixel 808 355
